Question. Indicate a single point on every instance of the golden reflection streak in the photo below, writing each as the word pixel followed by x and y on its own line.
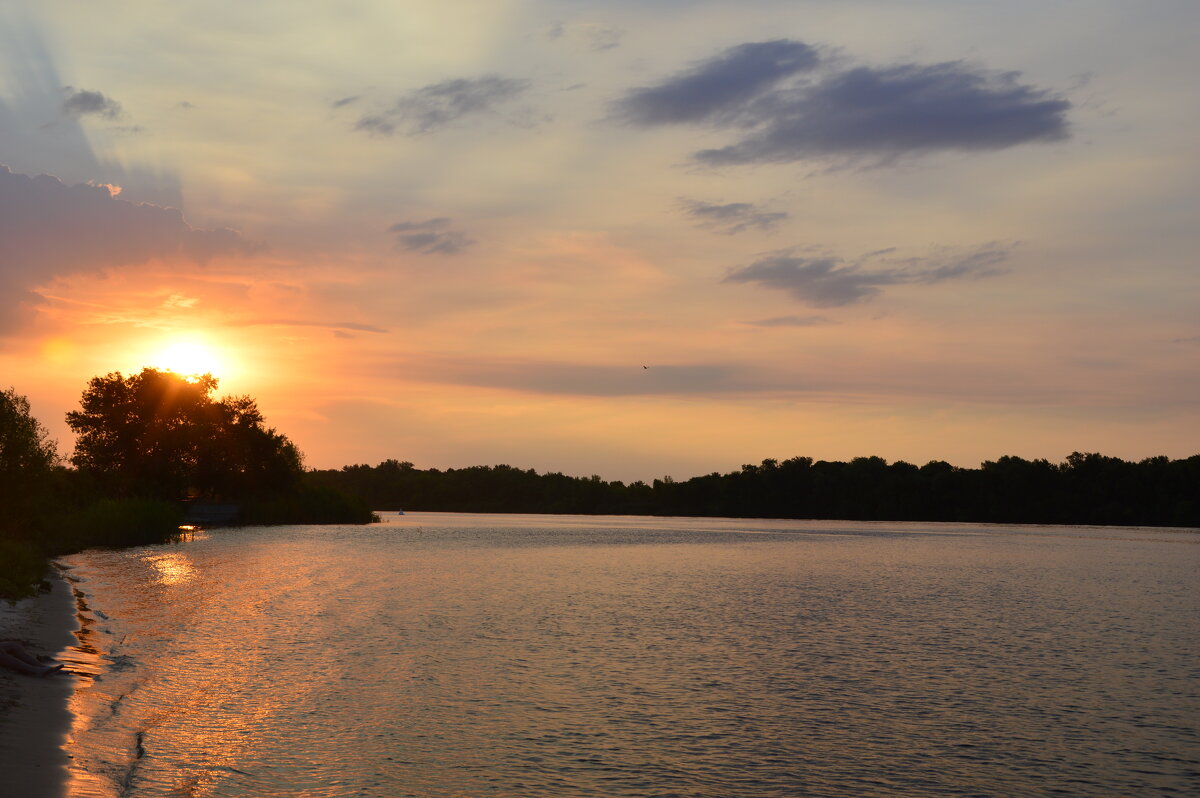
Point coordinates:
pixel 174 568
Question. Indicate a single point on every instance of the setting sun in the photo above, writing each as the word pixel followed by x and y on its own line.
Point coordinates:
pixel 188 358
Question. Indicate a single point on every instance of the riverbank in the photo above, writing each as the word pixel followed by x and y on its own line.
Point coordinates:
pixel 34 714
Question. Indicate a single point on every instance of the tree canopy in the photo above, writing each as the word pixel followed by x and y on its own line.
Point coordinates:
pixel 162 435
pixel 25 445
pixel 27 454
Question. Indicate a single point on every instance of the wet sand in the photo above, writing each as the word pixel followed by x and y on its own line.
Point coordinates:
pixel 34 714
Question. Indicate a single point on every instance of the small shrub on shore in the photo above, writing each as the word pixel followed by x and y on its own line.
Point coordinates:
pixel 112 523
pixel 22 570
pixel 308 504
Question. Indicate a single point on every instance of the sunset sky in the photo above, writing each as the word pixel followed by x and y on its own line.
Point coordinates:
pixel 622 238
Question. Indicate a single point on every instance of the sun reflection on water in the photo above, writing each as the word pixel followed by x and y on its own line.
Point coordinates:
pixel 174 568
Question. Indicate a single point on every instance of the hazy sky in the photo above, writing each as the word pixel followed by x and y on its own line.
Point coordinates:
pixel 458 232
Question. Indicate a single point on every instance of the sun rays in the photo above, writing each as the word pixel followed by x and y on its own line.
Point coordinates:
pixel 190 357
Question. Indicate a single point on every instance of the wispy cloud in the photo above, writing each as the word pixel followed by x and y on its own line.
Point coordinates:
pixel 548 377
pixel 880 113
pixel 342 326
pixel 179 302
pixel 601 37
pixel 730 218
pixel 791 321
pixel 716 90
pixel 81 102
pixel 440 105
pixel 592 35
pixel 430 237
pixel 832 282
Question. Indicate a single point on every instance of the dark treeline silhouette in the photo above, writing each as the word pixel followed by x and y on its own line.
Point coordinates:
pixel 1084 489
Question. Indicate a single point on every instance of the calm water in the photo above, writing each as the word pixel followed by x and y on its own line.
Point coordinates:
pixel 472 655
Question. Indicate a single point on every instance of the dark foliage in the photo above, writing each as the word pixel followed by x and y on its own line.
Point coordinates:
pixel 157 434
pixel 22 569
pixel 115 523
pixel 27 457
pixel 1085 489
pixel 307 503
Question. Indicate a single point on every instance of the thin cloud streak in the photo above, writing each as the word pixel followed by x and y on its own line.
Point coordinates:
pixel 440 105
pixel 824 376
pixel 731 218
pixel 430 237
pixel 831 282
pixel 596 37
pixel 330 325
pixel 590 380
pixel 792 321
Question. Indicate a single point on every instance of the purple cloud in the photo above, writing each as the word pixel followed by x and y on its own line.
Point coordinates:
pixel 49 229
pixel 791 106
pixel 831 282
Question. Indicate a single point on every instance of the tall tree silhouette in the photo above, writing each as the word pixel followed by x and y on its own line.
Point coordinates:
pixel 162 435
pixel 27 454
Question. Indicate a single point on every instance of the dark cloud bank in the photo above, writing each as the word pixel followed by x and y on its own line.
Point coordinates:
pixel 439 105
pixel 788 104
pixel 49 229
pixel 832 282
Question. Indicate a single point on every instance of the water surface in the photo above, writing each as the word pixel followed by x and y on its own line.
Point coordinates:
pixel 441 654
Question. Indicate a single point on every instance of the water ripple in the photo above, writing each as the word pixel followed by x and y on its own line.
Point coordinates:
pixel 444 655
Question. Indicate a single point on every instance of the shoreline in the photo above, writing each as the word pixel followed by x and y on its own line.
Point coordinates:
pixel 35 717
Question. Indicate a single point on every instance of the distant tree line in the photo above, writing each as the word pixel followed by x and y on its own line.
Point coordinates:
pixel 147 445
pixel 1084 489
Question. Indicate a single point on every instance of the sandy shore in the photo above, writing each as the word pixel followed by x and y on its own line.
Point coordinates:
pixel 34 718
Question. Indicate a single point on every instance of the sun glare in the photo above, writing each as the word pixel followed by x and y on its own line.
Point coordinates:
pixel 188 358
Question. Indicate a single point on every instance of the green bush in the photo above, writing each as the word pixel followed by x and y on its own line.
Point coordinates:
pixel 308 504
pixel 112 523
pixel 22 570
